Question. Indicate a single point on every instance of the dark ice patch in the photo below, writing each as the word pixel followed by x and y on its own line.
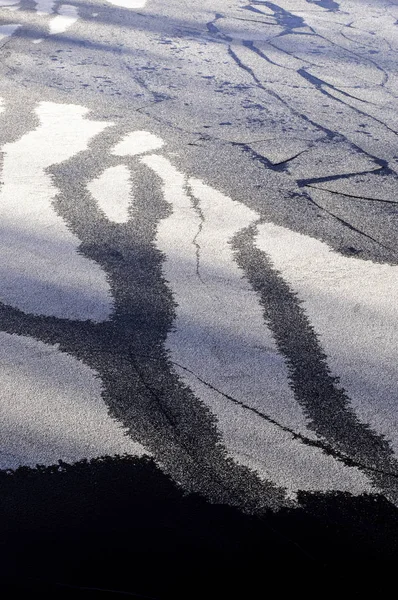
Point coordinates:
pixel 330 5
pixel 284 18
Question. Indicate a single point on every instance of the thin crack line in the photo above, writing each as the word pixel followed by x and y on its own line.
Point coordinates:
pixel 315 187
pixel 5 43
pixel 196 206
pixel 257 156
pixel 287 160
pixel 318 83
pixel 307 76
pixel 246 68
pixel 214 31
pixel 250 44
pixel 347 224
pixel 3 58
pixel 361 57
pixel 214 476
pixel 291 54
pixel 152 392
pixel 326 448
pixel 254 21
pixel 151 104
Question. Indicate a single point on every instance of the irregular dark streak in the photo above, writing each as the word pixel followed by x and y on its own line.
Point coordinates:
pixel 117 250
pixel 214 31
pixel 326 448
pixel 345 36
pixel 174 425
pixel 318 392
pixel 163 409
pixel 6 42
pixel 149 104
pixel 288 160
pixel 250 44
pixel 318 83
pixel 383 164
pixel 7 54
pixel 157 96
pixel 328 132
pixel 362 43
pixel 329 5
pixel 262 159
pixel 287 20
pixel 278 167
pixel 244 67
pixel 360 56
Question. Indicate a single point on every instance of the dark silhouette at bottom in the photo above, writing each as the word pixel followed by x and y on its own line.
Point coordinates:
pixel 115 527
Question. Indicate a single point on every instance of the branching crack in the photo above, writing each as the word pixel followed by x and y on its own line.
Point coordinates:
pixel 324 446
pixel 249 44
pixel 328 132
pixel 318 83
pixel 316 187
pixel 347 224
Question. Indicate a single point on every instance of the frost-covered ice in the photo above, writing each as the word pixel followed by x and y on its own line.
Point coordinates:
pixel 112 191
pixel 41 270
pixel 51 408
pixel 66 17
